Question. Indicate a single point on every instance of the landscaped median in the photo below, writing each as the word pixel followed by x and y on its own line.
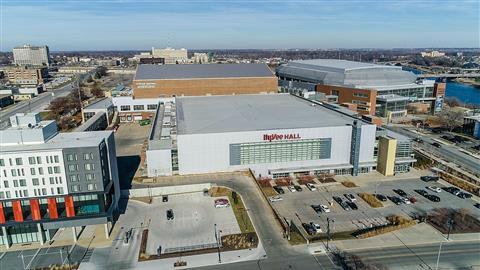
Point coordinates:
pixel 371 200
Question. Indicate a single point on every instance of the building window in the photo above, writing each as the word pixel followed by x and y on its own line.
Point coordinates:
pixel 2 162
pixel 73 178
pixel 23 182
pixel 39 160
pixel 55 158
pixel 44 191
pixel 89 167
pixel 31 160
pixel 19 161
pixel 40 171
pixel 32 171
pixel 73 167
pixel 138 107
pixel 335 93
pixel 35 181
pixel 362 95
pixel 15 183
pixel 56 169
pixel 281 151
pixel 125 108
pixel 151 106
pixel 14 172
pixel 50 170
pixel 5 184
pixel 60 190
pixel 88 156
pixel 91 187
pixel 89 176
pixel 52 180
pixel 75 188
pixel 71 157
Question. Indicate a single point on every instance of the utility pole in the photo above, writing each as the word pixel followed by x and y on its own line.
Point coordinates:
pixel 218 243
pixel 450 225
pixel 328 231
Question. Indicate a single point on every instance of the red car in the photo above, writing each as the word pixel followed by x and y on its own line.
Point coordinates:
pixel 413 200
pixel 219 203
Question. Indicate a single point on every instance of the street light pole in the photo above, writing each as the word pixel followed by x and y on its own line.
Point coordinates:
pixel 218 244
pixel 450 225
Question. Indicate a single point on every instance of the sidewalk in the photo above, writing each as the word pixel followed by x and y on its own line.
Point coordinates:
pixel 417 235
pixel 375 176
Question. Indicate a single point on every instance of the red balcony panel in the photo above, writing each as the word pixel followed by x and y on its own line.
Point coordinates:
pixel 2 214
pixel 17 211
pixel 69 206
pixel 52 208
pixel 35 208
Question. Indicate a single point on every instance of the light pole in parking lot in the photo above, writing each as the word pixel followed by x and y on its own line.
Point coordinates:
pixel 328 230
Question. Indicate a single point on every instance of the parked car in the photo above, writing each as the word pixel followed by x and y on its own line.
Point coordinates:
pixel 276 199
pixel 421 192
pixel 309 228
pixel 311 187
pixel 170 214
pixel 316 226
pixel 298 188
pixel 405 200
pixel 464 195
pixel 337 199
pixel 345 206
pixel 400 192
pixel 221 203
pixel 317 208
pixel 432 198
pixel 477 205
pixel 381 197
pixel 352 205
pixel 434 189
pixel 165 198
pixel 429 178
pixel 325 208
pixel 454 190
pixel 350 197
pixel 279 189
pixel 396 200
pixel 291 188
pixel 418 140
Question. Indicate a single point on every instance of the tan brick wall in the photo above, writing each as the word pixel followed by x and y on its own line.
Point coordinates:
pixel 345 95
pixel 200 87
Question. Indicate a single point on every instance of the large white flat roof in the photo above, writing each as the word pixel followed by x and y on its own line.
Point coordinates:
pixel 217 114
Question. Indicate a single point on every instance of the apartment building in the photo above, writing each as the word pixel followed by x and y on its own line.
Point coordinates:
pixel 24 75
pixel 51 180
pixel 28 55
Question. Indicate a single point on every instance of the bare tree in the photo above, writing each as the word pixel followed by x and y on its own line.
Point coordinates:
pixel 450 119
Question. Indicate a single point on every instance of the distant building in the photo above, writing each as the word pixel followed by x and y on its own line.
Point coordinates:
pixel 378 90
pixel 433 54
pixel 28 55
pixel 471 126
pixel 25 75
pixel 171 56
pixel 54 180
pixel 157 81
pixel 200 58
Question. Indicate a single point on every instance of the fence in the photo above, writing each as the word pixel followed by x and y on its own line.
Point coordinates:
pixel 169 190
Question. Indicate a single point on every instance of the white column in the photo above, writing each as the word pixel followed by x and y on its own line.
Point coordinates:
pixel 6 239
pixel 107 234
pixel 74 231
pixel 40 234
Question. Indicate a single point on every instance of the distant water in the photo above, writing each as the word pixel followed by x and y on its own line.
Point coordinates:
pixel 464 92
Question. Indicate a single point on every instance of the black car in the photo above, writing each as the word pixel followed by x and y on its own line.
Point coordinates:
pixel 453 190
pixel 317 208
pixel 345 206
pixel 400 192
pixel 170 214
pixel 381 197
pixel 338 199
pixel 309 228
pixel 436 144
pixel 352 205
pixel 418 140
pixel 464 195
pixel 298 188
pixel 165 198
pixel 477 205
pixel 395 200
pixel 279 190
pixel 429 178
pixel 432 198
pixel 421 192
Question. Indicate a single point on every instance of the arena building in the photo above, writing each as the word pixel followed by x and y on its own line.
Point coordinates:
pixel 160 81
pixel 377 90
pixel 274 135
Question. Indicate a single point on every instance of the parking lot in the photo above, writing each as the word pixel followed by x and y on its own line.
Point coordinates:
pixel 296 206
pixel 192 225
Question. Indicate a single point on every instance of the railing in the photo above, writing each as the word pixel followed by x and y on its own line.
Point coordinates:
pixel 190 248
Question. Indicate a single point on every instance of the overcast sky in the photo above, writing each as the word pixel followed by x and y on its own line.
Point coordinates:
pixel 203 24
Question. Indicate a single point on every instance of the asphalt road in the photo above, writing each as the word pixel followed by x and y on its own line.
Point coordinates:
pixel 36 104
pixel 449 153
